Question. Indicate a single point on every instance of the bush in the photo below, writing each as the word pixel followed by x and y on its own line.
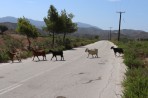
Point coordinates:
pixel 136 84
pixel 130 62
pixel 3 57
pixel 68 44
pixel 26 54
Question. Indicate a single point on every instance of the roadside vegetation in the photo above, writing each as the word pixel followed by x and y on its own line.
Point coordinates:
pixel 10 41
pixel 136 59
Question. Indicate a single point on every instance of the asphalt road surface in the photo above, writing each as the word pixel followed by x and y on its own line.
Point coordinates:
pixel 76 77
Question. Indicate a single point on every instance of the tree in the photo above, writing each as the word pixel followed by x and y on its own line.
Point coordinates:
pixel 51 22
pixel 59 24
pixel 26 28
pixel 68 25
pixel 3 29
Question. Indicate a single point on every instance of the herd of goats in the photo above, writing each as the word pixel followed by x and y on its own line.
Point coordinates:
pixel 16 54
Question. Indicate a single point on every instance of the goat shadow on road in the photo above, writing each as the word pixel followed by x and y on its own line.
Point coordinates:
pixel 15 62
pixel 39 60
pixel 57 60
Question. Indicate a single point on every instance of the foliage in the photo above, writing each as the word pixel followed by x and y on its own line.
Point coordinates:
pixel 58 24
pixel 3 28
pixel 68 25
pixel 51 22
pixel 26 28
pixel 3 56
pixel 136 82
pixel 11 42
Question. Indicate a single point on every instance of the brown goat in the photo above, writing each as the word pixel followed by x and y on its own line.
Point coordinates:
pixel 15 54
pixel 37 53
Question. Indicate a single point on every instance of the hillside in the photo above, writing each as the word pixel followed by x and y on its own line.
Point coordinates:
pixel 83 29
pixel 10 25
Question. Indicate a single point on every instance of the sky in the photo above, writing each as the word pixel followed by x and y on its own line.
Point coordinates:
pixel 100 13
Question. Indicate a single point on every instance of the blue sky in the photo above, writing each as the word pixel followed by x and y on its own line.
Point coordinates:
pixel 100 13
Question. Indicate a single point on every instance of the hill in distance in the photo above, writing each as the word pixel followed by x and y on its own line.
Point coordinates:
pixel 83 29
pixel 39 24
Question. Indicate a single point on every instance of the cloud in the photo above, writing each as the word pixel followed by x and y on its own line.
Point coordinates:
pixel 114 0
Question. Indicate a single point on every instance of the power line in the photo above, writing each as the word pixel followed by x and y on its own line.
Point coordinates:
pixel 119 24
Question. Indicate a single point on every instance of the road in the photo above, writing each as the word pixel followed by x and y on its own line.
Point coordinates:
pixel 76 77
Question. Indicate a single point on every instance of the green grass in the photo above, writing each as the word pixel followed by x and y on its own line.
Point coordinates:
pixel 136 82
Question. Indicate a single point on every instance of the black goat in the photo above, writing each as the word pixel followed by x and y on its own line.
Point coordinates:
pixel 119 50
pixel 57 53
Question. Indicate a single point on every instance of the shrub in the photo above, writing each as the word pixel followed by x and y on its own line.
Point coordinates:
pixel 68 44
pixel 3 57
pixel 130 62
pixel 136 84
pixel 26 54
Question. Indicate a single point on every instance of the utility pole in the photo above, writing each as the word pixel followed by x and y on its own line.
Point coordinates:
pixel 119 24
pixel 110 32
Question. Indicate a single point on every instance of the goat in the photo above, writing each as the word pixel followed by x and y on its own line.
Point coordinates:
pixel 117 50
pixel 14 54
pixel 92 52
pixel 37 53
pixel 57 53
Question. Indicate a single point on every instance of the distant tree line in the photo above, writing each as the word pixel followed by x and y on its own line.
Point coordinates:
pixel 3 29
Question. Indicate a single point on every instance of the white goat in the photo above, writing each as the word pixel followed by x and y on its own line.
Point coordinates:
pixel 92 52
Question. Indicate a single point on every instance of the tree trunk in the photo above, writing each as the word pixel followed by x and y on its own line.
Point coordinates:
pixel 64 38
pixel 29 43
pixel 53 40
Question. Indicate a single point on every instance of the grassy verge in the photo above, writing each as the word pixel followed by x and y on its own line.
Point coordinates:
pixel 136 82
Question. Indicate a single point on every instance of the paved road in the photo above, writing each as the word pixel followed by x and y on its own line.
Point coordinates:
pixel 76 77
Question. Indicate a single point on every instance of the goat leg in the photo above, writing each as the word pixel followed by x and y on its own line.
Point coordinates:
pixel 45 57
pixel 62 58
pixel 92 56
pixel 12 60
pixel 38 58
pixel 52 57
pixel 97 55
pixel 18 58
pixel 56 58
pixel 33 58
pixel 88 56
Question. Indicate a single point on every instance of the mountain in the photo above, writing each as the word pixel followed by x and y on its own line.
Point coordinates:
pixel 83 29
pixel 84 25
pixel 10 25
pixel 38 24
pixel 8 19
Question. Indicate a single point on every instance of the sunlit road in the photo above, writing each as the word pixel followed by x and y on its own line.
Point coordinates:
pixel 76 77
